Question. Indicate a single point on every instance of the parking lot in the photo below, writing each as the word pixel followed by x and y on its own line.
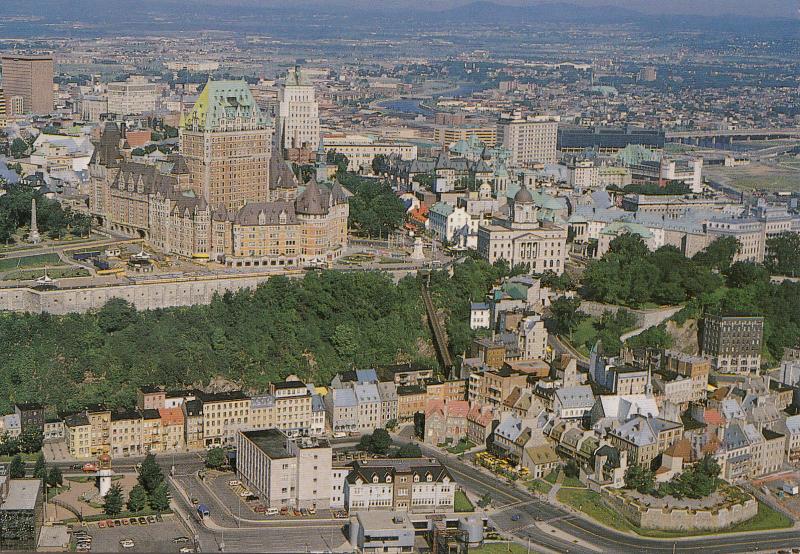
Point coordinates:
pixel 231 496
pixel 153 537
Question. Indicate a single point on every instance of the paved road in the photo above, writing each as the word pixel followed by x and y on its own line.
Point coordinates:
pixel 512 501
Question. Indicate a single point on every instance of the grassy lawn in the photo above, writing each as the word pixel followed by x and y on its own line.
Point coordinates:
pixel 57 273
pixel 39 260
pixel 590 503
pixel 461 447
pixel 462 503
pixel 584 332
pixel 552 477
pixel 539 486
pixel 25 457
pixel 572 482
pixel 499 548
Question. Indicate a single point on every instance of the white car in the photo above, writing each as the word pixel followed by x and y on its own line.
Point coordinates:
pixel 272 511
pixel 187 549
pixel 245 493
pixel 127 543
pixel 234 483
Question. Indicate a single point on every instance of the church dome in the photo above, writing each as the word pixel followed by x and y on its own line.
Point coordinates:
pixel 523 196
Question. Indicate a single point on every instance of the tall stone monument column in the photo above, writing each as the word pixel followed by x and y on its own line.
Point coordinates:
pixel 33 236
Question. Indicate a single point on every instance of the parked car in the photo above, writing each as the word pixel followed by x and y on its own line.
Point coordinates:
pixel 134 521
pixel 303 512
pixel 117 522
pixel 284 511
pixel 142 520
pixel 312 511
pixel 186 549
pixel 195 501
pixel 101 524
pixel 296 512
pixel 259 509
pixel 234 483
pixel 89 467
pixel 125 521
pixel 180 540
pixel 272 511
pixel 244 493
pixel 159 518
pixel 109 523
pixel 127 543
pixel 515 517
pixel 151 519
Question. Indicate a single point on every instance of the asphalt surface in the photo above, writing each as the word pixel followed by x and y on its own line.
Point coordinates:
pixel 512 501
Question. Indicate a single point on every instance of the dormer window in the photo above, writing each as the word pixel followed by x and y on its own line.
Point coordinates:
pixel 375 479
pixel 416 478
pixel 429 478
pixel 388 478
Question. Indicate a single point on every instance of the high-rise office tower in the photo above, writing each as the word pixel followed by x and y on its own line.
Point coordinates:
pixel 299 111
pixel 530 139
pixel 225 140
pixel 30 78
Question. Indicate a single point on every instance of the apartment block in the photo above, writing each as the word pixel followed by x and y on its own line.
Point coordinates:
pixel 733 343
pixel 284 471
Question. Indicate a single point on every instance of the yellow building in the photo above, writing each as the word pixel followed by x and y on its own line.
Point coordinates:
pixel 126 434
pixel 224 414
pixel 78 433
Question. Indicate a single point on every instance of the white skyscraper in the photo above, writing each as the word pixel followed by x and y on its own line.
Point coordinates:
pixel 299 111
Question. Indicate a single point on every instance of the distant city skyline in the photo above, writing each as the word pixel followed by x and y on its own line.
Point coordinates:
pixel 761 8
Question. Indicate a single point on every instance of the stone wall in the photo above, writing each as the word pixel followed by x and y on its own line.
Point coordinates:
pixel 681 519
pixel 145 296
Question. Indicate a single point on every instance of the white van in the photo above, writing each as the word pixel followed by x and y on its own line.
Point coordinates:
pixel 272 511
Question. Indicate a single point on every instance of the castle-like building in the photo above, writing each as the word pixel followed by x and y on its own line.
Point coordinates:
pixel 224 198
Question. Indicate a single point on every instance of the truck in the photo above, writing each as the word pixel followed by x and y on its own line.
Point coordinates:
pixel 202 511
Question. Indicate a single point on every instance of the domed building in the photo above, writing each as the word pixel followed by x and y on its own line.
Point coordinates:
pixel 530 234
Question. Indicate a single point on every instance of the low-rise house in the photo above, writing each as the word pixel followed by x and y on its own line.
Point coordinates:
pixel 480 423
pixel 645 438
pixel 404 485
pixel 573 402
pixel 540 460
pixel 172 425
pixel 445 422
pixel 342 408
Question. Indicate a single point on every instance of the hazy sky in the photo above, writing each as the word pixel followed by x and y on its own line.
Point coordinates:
pixel 763 8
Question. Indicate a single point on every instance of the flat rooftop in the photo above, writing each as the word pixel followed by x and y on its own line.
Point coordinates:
pixel 384 520
pixel 22 494
pixel 270 441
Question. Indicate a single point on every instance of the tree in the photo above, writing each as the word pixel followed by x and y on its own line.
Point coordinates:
pixel 137 499
pixel 719 254
pixel 640 479
pixel 380 165
pixel 419 424
pixel 783 254
pixel 572 469
pixel 18 148
pixel 159 498
pixel 484 500
pixel 116 315
pixel 365 443
pixel 30 440
pixel 409 450
pixel 17 468
pixel 40 468
pixel 381 441
pixel 391 425
pixel 375 210
pixel 339 160
pixel 113 502
pixel 215 458
pixel 741 274
pixel 55 478
pixel 150 475
pixel 565 315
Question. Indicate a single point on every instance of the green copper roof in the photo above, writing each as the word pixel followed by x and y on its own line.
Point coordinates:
pixel 617 227
pixel 224 102
pixel 296 78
